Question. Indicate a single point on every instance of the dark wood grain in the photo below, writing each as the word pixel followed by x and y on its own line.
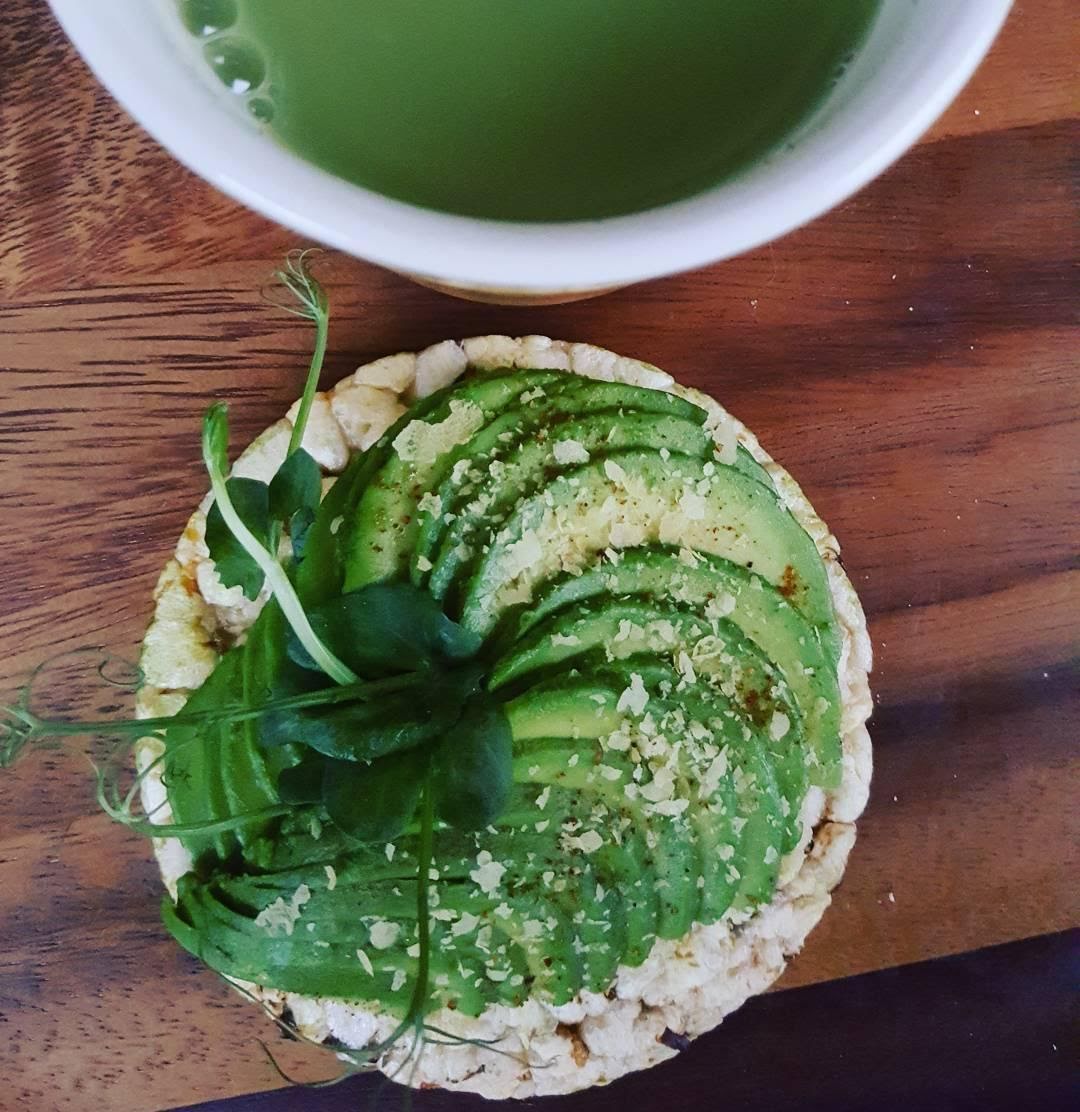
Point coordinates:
pixel 911 358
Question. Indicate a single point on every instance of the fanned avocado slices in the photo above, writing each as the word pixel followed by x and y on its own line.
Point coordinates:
pixel 721 590
pixel 637 497
pixel 384 525
pixel 660 632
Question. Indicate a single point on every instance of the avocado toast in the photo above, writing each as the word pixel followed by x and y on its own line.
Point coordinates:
pixel 663 622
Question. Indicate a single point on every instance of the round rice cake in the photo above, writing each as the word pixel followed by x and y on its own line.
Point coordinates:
pixel 684 987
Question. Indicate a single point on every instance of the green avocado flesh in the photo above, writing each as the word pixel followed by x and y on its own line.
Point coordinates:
pixel 660 632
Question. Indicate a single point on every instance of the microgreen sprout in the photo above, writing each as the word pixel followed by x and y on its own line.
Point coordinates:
pixel 214 445
pixel 312 304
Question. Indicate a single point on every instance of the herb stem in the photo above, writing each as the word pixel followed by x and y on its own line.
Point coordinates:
pixel 424 856
pixel 214 432
pixel 322 332
pixel 360 692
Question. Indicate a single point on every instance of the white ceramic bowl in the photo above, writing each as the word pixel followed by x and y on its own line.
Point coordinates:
pixel 917 58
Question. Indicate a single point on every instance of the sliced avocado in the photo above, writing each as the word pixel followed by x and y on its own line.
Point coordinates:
pixel 576 765
pixel 563 711
pixel 547 408
pixel 705 705
pixel 589 870
pixel 702 505
pixel 603 927
pixel 192 766
pixel 709 584
pixel 621 864
pixel 384 526
pixel 249 772
pixel 619 628
pixel 217 773
pixel 533 464
pixel 321 572
pixel 627 864
pixel 559 709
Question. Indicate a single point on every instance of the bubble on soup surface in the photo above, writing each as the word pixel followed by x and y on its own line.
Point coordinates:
pixel 238 64
pixel 207 17
pixel 262 108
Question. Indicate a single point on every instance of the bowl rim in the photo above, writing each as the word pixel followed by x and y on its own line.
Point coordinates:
pixel 515 258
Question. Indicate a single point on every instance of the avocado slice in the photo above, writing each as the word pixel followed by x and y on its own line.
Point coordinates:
pixel 533 464
pixel 619 628
pixel 219 773
pixel 640 497
pixel 745 811
pixel 710 584
pixel 384 525
pixel 321 573
pixel 546 408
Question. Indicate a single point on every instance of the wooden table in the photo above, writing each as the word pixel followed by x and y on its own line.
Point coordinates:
pixel 912 358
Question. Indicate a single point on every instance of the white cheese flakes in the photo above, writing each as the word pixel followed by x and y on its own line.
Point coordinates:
pixel 384 934
pixel 720 606
pixel 589 842
pixel 628 534
pixel 465 925
pixel 422 443
pixel 661 787
pixel 570 451
pixel 692 506
pixel 635 698
pixel 279 918
pixel 686 667
pixel 488 873
pixel 523 554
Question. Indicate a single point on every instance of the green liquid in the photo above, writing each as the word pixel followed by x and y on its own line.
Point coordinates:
pixel 532 109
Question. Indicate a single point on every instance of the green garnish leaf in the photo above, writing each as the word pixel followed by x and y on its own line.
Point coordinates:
pixel 215 441
pixel 296 486
pixel 235 566
pixel 387 627
pixel 472 768
pixel 216 433
pixel 299 527
pixel 302 783
pixel 356 731
pixel 376 802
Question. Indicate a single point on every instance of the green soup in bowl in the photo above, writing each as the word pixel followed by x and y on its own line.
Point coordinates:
pixel 535 150
pixel 536 110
